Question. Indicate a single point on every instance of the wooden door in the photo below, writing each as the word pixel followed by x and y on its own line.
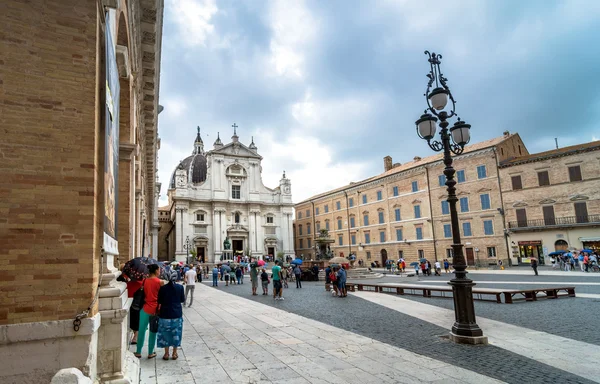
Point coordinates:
pixel 383 257
pixel 470 256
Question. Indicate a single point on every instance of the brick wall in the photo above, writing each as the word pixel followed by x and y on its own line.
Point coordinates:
pixel 561 193
pixel 48 166
pixel 396 192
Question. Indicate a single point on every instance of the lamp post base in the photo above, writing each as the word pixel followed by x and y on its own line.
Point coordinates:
pixel 473 340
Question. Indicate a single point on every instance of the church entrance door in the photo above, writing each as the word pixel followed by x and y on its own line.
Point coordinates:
pixel 237 246
pixel 200 254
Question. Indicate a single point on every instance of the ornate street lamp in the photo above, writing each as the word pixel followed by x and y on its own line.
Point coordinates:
pixel 187 246
pixel 453 140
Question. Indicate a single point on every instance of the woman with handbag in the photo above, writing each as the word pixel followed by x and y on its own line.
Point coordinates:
pixel 170 313
pixel 150 286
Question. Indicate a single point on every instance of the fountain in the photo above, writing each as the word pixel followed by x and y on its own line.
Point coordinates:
pixel 323 248
pixel 323 244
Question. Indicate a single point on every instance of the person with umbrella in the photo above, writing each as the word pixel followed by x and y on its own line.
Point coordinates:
pixel 298 275
pixel 534 265
pixel 225 269
pixel 416 266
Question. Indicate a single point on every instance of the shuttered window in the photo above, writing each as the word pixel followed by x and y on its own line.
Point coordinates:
pixel 549 215
pixel 516 182
pixel 575 173
pixel 543 178
pixel 581 212
pixel 521 217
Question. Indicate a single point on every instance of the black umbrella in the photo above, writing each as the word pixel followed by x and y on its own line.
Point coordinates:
pixel 137 268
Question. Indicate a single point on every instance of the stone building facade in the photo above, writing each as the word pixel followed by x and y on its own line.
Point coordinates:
pixel 402 213
pixel 54 192
pixel 552 201
pixel 220 209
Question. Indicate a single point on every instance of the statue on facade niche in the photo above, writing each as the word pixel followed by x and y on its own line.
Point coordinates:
pixel 226 244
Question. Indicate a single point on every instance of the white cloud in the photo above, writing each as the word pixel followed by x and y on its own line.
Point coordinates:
pixel 294 28
pixel 174 106
pixel 341 113
pixel 193 18
pixel 313 168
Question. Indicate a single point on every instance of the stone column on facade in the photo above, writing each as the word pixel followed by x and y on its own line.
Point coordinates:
pixel 251 230
pixel 290 235
pixel 260 236
pixel 113 343
pixel 179 235
pixel 155 223
pixel 217 234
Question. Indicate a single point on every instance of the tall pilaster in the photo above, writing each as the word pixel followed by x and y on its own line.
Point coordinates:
pixel 218 242
pixel 179 237
pixel 113 306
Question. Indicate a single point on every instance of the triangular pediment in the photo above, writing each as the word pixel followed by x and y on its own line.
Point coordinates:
pixel 548 201
pixel 484 190
pixel 519 204
pixel 236 149
pixel 578 197
pixel 416 201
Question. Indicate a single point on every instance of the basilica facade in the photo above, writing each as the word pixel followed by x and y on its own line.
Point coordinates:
pixel 219 208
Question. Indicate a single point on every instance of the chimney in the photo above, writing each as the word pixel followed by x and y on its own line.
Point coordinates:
pixel 417 158
pixel 506 133
pixel 396 165
pixel 387 163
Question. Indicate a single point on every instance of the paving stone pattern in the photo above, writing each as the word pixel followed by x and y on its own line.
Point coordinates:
pixel 228 339
pixel 403 331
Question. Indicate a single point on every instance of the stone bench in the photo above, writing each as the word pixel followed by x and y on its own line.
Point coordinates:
pixel 529 294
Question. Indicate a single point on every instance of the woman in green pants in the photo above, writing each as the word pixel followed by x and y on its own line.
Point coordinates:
pixel 151 287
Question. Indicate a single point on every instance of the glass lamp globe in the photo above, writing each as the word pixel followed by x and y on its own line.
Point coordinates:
pixel 426 126
pixel 438 98
pixel 461 133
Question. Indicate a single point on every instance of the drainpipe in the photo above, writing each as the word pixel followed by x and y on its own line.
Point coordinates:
pixel 502 211
pixel 348 218
pixel 143 238
pixel 313 225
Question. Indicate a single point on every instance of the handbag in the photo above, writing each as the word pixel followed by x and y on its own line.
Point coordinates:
pixel 139 297
pixel 154 323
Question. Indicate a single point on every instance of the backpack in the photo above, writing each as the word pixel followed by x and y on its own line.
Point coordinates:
pixel 333 277
pixel 139 297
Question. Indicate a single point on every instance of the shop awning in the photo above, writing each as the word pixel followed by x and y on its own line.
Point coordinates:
pixel 589 239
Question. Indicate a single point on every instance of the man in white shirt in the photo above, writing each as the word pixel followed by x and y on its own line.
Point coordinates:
pixel 190 284
pixel 438 268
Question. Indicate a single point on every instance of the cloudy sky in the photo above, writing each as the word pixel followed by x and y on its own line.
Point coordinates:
pixel 328 88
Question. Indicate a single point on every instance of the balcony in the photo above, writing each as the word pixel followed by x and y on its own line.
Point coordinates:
pixel 567 221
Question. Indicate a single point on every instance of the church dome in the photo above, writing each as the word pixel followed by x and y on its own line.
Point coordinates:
pixel 195 166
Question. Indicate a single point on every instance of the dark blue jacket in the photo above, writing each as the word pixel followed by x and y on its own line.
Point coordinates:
pixel 170 297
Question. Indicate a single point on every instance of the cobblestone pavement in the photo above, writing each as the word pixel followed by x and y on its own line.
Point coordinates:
pixel 403 331
pixel 543 315
pixel 228 339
